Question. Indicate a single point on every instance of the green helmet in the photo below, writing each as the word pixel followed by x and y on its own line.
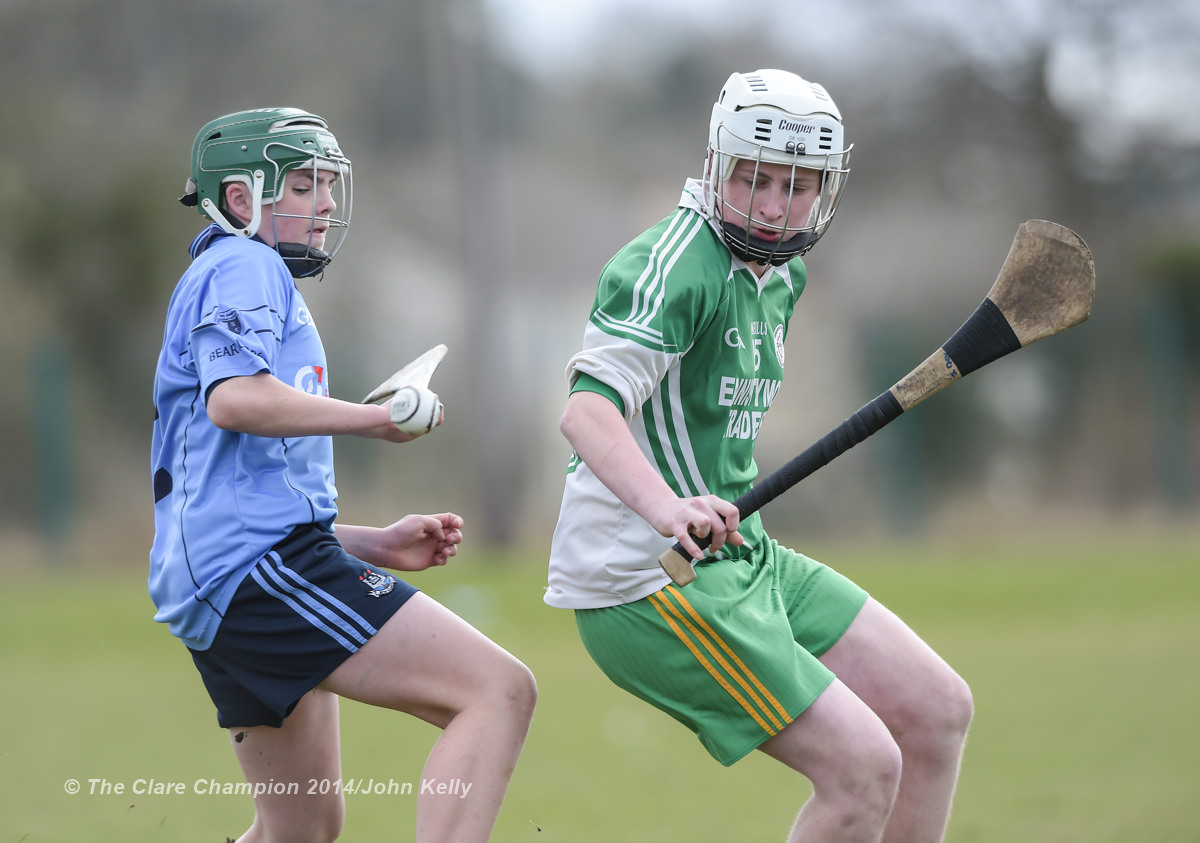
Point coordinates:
pixel 258 148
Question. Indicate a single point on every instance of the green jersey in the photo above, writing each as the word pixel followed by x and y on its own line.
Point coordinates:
pixel 690 343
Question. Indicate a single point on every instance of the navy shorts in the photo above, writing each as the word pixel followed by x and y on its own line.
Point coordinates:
pixel 305 608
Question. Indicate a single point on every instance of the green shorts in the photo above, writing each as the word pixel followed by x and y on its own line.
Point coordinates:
pixel 733 656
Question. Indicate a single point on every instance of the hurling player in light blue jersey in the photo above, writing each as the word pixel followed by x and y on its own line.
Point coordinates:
pixel 282 608
pixel 682 356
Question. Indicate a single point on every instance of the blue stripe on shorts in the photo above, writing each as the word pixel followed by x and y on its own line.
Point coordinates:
pixel 328 613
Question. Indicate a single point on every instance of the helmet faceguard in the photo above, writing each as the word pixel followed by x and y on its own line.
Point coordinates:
pixel 258 149
pixel 775 117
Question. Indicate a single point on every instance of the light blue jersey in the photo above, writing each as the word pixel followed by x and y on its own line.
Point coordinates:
pixel 223 499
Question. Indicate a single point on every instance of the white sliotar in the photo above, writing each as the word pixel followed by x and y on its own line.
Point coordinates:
pixel 415 410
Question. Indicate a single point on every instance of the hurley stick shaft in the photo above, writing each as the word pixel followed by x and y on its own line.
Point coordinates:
pixel 1045 286
pixel 922 382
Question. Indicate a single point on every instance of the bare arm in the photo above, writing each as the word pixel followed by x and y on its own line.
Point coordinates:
pixel 599 435
pixel 263 405
pixel 413 543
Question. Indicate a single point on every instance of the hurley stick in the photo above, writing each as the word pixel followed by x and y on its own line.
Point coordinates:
pixel 416 373
pixel 1045 286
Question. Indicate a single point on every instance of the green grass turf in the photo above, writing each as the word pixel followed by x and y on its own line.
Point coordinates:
pixel 1083 661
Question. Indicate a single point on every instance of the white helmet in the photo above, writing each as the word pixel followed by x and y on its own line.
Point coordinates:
pixel 776 117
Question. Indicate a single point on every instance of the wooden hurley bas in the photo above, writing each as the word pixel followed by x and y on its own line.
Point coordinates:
pixel 1045 286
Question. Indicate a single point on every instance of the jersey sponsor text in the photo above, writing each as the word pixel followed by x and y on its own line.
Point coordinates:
pixel 748 400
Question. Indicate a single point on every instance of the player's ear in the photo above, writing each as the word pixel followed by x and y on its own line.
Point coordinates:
pixel 238 200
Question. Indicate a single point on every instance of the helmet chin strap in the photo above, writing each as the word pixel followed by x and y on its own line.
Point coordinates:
pixel 214 213
pixel 303 261
pixel 756 250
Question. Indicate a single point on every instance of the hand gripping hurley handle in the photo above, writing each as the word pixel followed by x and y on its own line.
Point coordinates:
pixel 1046 285
pixel 866 421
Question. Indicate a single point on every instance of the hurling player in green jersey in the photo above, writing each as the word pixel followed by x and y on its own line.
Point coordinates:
pixel 682 356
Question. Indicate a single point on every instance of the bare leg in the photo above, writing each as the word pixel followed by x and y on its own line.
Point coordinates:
pixel 924 704
pixel 854 765
pixel 428 662
pixel 304 749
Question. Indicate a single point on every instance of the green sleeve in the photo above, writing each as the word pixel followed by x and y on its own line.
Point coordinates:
pixel 587 383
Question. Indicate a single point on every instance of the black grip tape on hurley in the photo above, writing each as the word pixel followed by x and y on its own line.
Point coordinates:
pixel 984 337
pixel 867 420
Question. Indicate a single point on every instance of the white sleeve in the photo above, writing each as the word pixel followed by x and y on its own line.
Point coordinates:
pixel 633 370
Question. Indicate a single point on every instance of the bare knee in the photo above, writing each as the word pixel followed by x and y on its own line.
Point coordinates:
pixel 504 687
pixel 952 709
pixel 855 793
pixel 518 689
pixel 300 819
pixel 855 773
pixel 870 779
pixel 959 706
pixel 329 822
pixel 936 725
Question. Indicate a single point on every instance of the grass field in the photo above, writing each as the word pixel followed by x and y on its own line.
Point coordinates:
pixel 1084 664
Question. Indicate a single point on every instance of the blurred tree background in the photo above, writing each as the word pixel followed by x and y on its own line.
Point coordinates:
pixel 504 149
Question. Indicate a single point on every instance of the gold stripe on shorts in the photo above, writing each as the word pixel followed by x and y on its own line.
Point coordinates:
pixel 768 713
